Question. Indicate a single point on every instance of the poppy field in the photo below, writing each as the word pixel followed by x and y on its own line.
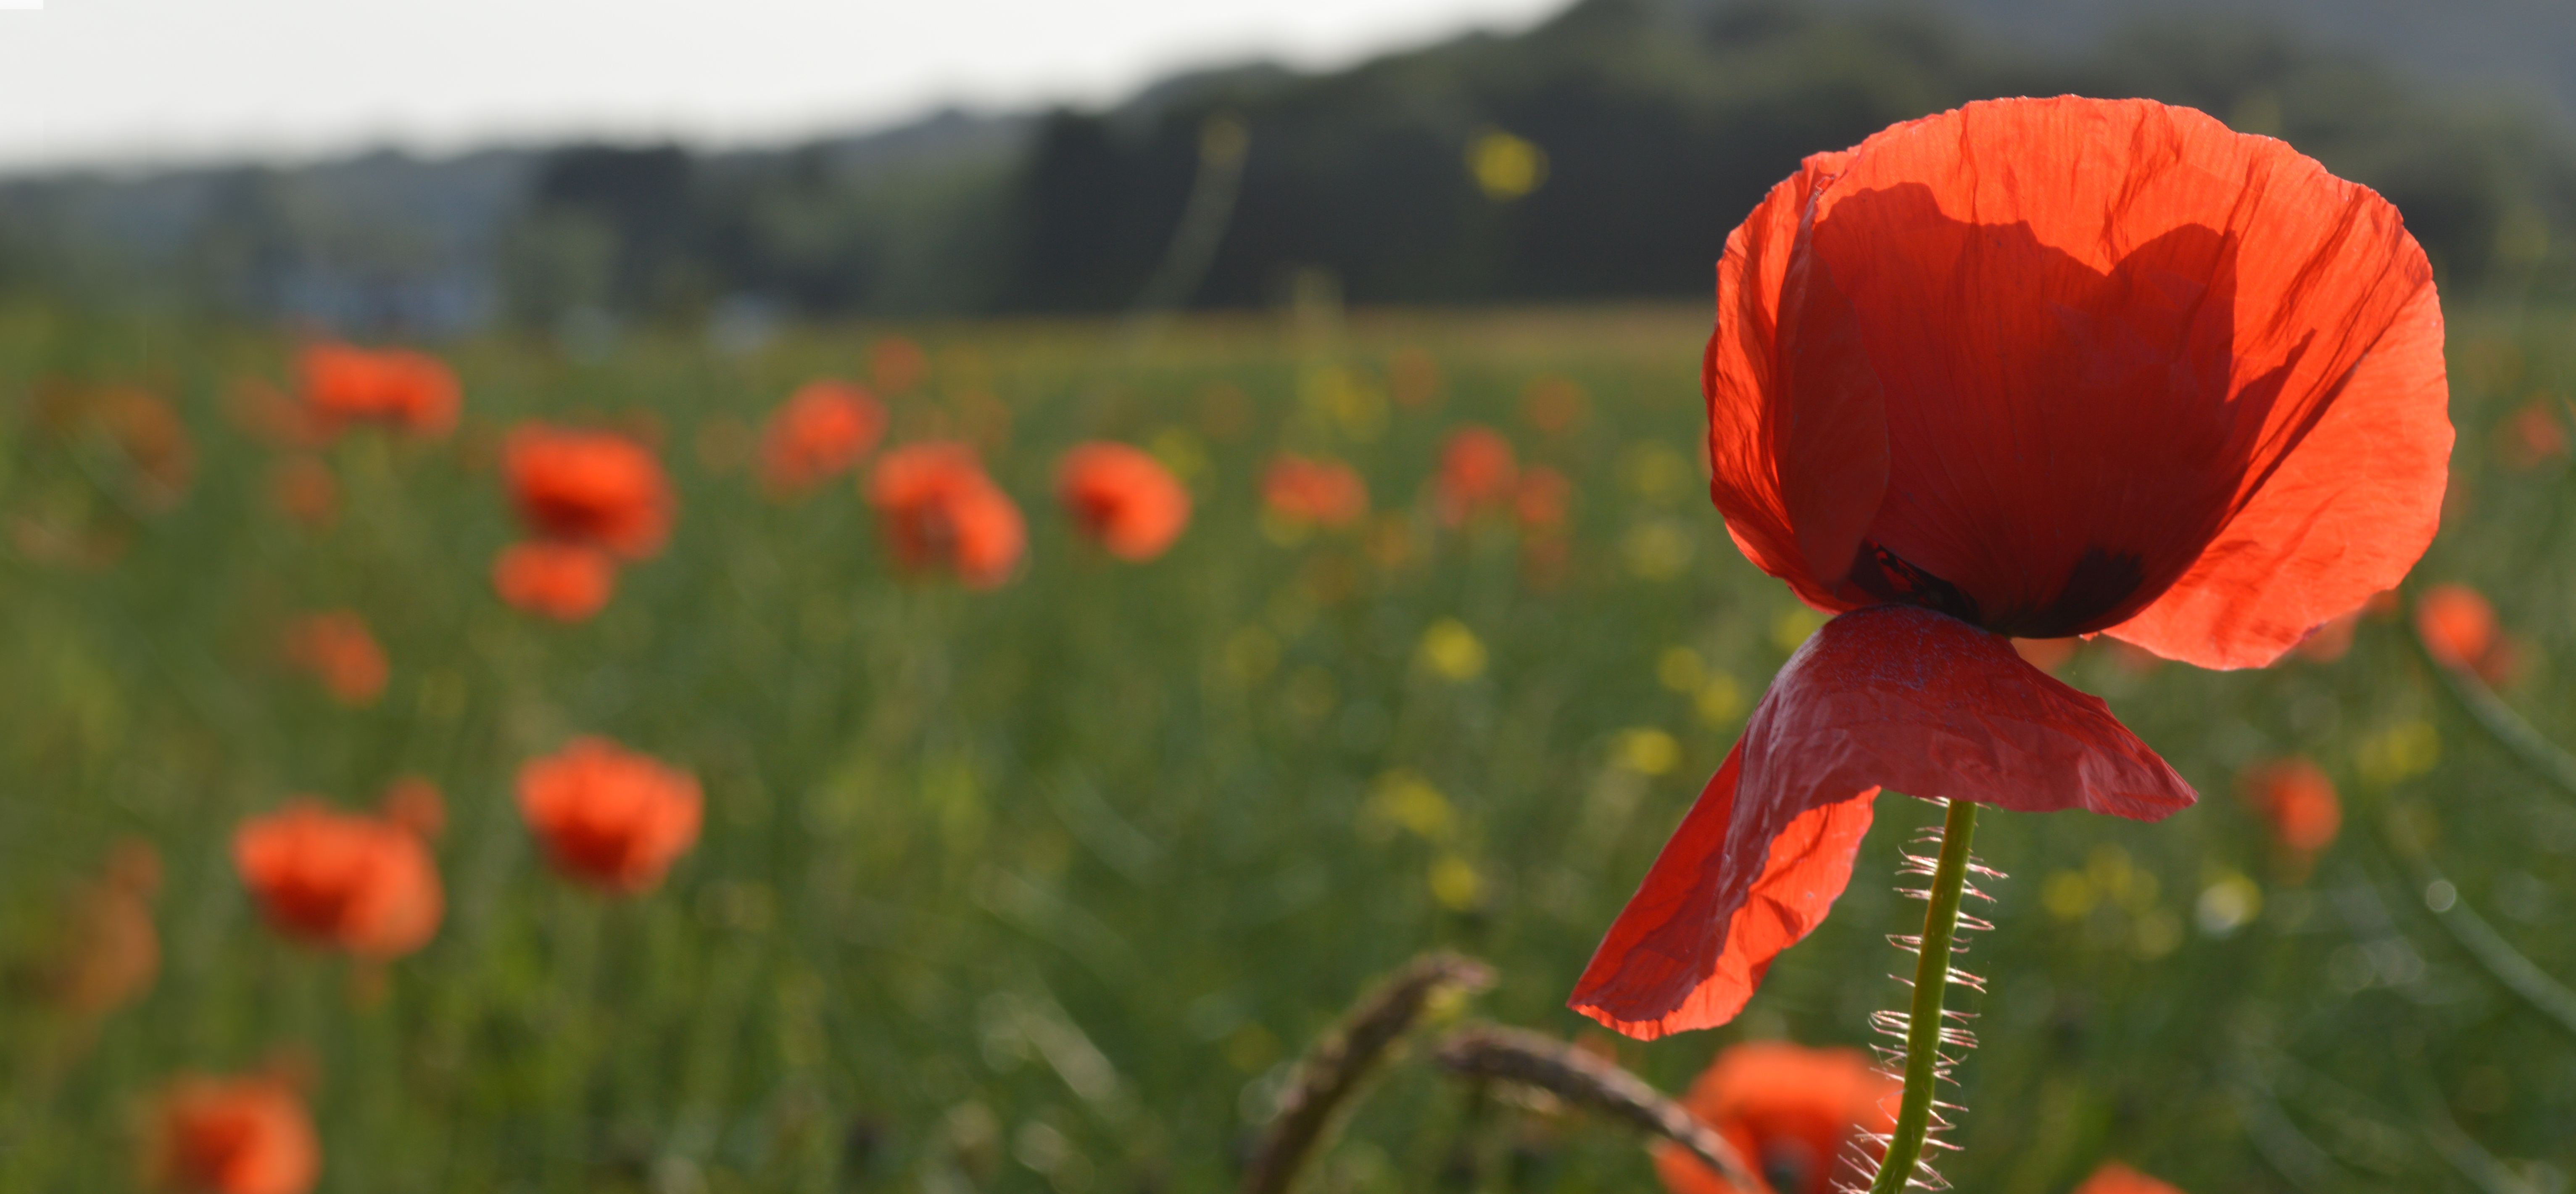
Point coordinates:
pixel 988 755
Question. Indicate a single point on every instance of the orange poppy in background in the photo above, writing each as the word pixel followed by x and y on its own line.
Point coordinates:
pixel 233 1135
pixel 111 952
pixel 2116 1178
pixel 2459 629
pixel 567 582
pixel 154 440
pixel 823 430
pixel 940 510
pixel 1796 1115
pixel 2296 800
pixel 1541 501
pixel 2035 368
pixel 354 882
pixel 1478 474
pixel 1320 492
pixel 609 817
pixel 413 802
pixel 1123 499
pixel 594 487
pixel 401 388
pixel 337 648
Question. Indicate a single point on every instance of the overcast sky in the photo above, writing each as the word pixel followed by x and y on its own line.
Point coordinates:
pixel 167 80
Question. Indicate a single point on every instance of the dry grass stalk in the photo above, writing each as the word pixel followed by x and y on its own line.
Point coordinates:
pixel 1341 1061
pixel 1495 1053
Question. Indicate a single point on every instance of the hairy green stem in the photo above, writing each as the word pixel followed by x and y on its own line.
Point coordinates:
pixel 1931 980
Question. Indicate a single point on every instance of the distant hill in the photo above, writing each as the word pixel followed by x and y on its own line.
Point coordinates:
pixel 1641 131
pixel 2515 51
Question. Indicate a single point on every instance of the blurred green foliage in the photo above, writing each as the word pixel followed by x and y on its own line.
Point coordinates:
pixel 1043 888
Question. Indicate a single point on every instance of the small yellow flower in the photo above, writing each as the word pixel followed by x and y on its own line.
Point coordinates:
pixel 1452 650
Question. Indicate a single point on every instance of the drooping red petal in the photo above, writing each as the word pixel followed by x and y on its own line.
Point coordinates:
pixel 1797 483
pixel 1725 896
pixel 1889 695
pixel 2104 330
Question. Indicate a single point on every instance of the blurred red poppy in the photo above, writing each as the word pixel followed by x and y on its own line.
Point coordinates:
pixel 2116 1178
pixel 1321 492
pixel 2178 385
pixel 1540 502
pixel 824 429
pixel 1477 474
pixel 110 952
pixel 609 817
pixel 413 802
pixel 1123 498
pixel 2296 800
pixel 360 883
pixel 593 487
pixel 2459 629
pixel 408 390
pixel 154 441
pixel 1798 1116
pixel 237 1135
pixel 336 647
pixel 939 510
pixel 567 582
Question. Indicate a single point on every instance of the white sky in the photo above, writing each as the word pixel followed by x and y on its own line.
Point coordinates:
pixel 119 81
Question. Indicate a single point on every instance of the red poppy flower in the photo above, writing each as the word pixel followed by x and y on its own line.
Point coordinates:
pixel 2294 798
pixel 359 883
pixel 1123 498
pixel 2034 368
pixel 1797 1115
pixel 240 1135
pixel 409 390
pixel 567 582
pixel 338 649
pixel 1477 474
pixel 592 487
pixel 2459 628
pixel 2116 1178
pixel 822 430
pixel 1539 503
pixel 939 510
pixel 1321 492
pixel 609 817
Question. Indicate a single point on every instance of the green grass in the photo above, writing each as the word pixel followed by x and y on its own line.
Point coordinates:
pixel 1044 887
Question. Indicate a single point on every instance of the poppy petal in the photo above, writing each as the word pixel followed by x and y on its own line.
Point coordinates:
pixel 1816 465
pixel 1889 695
pixel 1694 941
pixel 2343 517
pixel 2102 329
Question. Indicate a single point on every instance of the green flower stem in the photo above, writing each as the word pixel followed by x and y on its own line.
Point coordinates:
pixel 1931 981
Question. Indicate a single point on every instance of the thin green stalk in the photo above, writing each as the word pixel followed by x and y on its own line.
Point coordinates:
pixel 1931 981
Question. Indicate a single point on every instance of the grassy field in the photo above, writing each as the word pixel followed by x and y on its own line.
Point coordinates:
pixel 1044 887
